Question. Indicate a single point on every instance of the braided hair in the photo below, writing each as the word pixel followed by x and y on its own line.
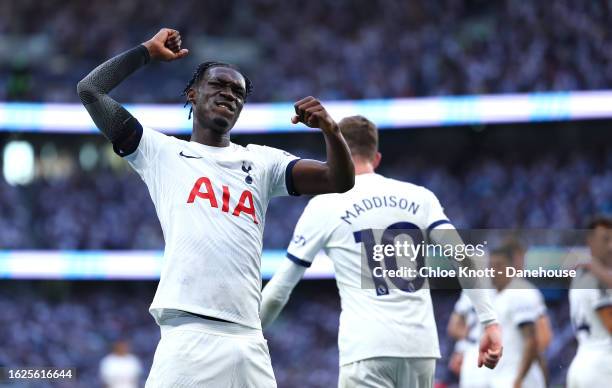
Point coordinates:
pixel 201 70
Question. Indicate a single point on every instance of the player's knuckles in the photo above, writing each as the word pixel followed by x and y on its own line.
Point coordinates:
pixel 315 104
pixel 301 101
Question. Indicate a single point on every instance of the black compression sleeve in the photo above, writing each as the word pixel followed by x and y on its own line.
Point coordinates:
pixel 115 122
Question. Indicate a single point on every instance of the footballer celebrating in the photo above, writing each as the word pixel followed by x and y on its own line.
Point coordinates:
pixel 387 335
pixel 591 311
pixel 210 196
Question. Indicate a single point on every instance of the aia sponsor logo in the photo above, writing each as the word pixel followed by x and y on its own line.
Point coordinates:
pixel 203 190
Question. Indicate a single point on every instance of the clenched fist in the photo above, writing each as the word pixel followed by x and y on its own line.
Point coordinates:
pixel 311 112
pixel 166 45
pixel 491 349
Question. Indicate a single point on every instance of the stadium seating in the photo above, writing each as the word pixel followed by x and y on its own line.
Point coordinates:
pixel 341 49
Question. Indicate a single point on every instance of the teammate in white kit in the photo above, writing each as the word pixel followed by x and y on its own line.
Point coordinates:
pixel 387 337
pixel 518 306
pixel 211 197
pixel 463 328
pixel 591 313
pixel 120 369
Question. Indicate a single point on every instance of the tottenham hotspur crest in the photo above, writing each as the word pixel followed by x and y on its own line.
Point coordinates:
pixel 247 168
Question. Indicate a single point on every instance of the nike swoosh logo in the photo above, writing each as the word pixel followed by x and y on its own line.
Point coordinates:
pixel 189 156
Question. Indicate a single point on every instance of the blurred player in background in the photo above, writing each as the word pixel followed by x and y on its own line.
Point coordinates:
pixel 591 312
pixel 518 306
pixel 387 336
pixel 461 323
pixel 120 369
pixel 543 327
pixel 211 197
pixel 600 245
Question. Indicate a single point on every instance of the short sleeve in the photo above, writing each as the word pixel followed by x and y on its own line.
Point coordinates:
pixel 463 306
pixel 604 298
pixel 527 306
pixel 309 236
pixel 435 212
pixel 147 151
pixel 279 171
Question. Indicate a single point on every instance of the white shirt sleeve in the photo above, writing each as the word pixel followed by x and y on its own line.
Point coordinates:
pixel 309 236
pixel 604 298
pixel 278 170
pixel 144 159
pixel 527 306
pixel 435 213
pixel 463 306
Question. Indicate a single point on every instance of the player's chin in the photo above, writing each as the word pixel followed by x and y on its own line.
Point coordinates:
pixel 222 124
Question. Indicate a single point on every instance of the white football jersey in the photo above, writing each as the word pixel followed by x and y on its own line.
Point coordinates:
pixel 471 375
pixel 211 203
pixel 586 295
pixel 120 371
pixel 465 308
pixel 519 303
pixel 382 320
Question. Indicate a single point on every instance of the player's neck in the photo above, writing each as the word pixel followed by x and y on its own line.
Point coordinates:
pixel 502 283
pixel 363 168
pixel 210 138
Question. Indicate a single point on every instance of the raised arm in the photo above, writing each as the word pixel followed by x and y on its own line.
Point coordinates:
pixel 113 120
pixel 337 175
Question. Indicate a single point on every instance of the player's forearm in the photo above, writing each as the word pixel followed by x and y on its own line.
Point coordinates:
pixel 457 328
pixel 341 171
pixel 108 115
pixel 530 354
pixel 278 290
pixel 274 297
pixel 474 287
pixel 271 308
pixel 109 74
pixel 544 366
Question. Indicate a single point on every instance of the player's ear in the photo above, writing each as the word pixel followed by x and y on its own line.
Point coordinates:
pixel 376 161
pixel 191 96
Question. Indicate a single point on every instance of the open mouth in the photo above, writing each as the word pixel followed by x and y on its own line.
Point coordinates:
pixel 226 106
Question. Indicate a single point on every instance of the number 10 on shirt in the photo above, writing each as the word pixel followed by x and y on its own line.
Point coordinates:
pixel 367 238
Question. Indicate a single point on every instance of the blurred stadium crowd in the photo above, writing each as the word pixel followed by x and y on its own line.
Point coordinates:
pixel 74 325
pixel 109 210
pixel 334 49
